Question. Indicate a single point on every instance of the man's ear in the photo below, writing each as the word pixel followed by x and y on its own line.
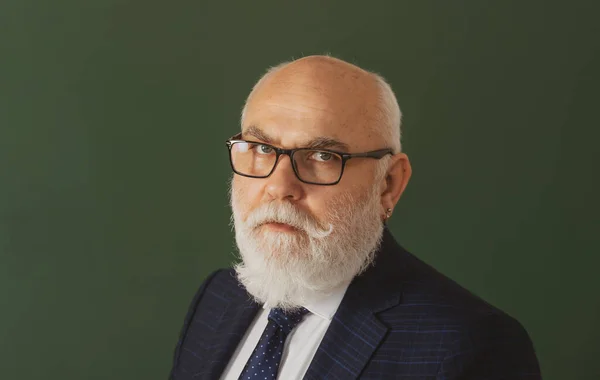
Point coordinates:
pixel 397 178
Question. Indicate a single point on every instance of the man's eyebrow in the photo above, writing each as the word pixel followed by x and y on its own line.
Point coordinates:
pixel 327 142
pixel 253 130
pixel 316 143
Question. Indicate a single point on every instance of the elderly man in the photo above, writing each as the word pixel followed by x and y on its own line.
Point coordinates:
pixel 323 291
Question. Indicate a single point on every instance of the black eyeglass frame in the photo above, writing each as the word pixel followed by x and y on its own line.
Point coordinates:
pixel 376 154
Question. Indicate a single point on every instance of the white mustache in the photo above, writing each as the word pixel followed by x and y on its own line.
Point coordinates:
pixel 285 213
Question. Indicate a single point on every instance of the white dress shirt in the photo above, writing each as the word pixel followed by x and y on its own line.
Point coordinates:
pixel 300 346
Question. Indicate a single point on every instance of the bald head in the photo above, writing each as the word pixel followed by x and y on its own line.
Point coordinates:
pixel 356 103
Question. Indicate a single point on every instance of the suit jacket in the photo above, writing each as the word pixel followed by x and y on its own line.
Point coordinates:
pixel 400 319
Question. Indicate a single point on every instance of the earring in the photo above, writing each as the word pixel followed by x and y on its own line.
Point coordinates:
pixel 388 213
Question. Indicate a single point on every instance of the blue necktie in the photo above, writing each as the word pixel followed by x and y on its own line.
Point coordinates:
pixel 264 362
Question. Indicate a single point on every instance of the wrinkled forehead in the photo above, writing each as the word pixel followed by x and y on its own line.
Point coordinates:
pixel 295 109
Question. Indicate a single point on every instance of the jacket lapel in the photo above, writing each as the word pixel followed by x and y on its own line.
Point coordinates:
pixel 236 317
pixel 355 331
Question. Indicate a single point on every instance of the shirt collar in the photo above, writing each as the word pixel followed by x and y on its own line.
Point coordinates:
pixel 327 306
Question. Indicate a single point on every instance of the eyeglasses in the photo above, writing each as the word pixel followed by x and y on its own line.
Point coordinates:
pixel 313 166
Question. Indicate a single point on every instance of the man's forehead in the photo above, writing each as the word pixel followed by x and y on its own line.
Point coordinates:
pixel 287 127
pixel 295 119
pixel 312 100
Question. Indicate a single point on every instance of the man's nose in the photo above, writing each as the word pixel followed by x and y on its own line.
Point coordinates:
pixel 283 183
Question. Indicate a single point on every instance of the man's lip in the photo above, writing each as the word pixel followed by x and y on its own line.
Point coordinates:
pixel 277 226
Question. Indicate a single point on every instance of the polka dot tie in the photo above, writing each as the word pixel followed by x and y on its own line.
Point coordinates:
pixel 264 362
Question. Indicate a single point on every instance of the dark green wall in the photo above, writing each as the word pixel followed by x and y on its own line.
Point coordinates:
pixel 113 170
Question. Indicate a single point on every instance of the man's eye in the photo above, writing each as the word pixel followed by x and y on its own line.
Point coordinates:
pixel 322 156
pixel 264 149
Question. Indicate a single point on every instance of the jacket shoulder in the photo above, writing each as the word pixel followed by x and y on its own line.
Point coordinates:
pixel 466 331
pixel 428 290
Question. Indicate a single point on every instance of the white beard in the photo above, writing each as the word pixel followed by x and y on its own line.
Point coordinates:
pixel 287 270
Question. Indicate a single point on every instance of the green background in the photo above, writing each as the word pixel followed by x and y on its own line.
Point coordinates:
pixel 113 170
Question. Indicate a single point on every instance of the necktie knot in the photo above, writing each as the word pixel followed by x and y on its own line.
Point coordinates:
pixel 287 320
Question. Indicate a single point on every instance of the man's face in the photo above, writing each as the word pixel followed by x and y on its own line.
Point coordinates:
pixel 294 113
pixel 318 235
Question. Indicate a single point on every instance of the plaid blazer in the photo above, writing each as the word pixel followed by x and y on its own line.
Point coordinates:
pixel 400 319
